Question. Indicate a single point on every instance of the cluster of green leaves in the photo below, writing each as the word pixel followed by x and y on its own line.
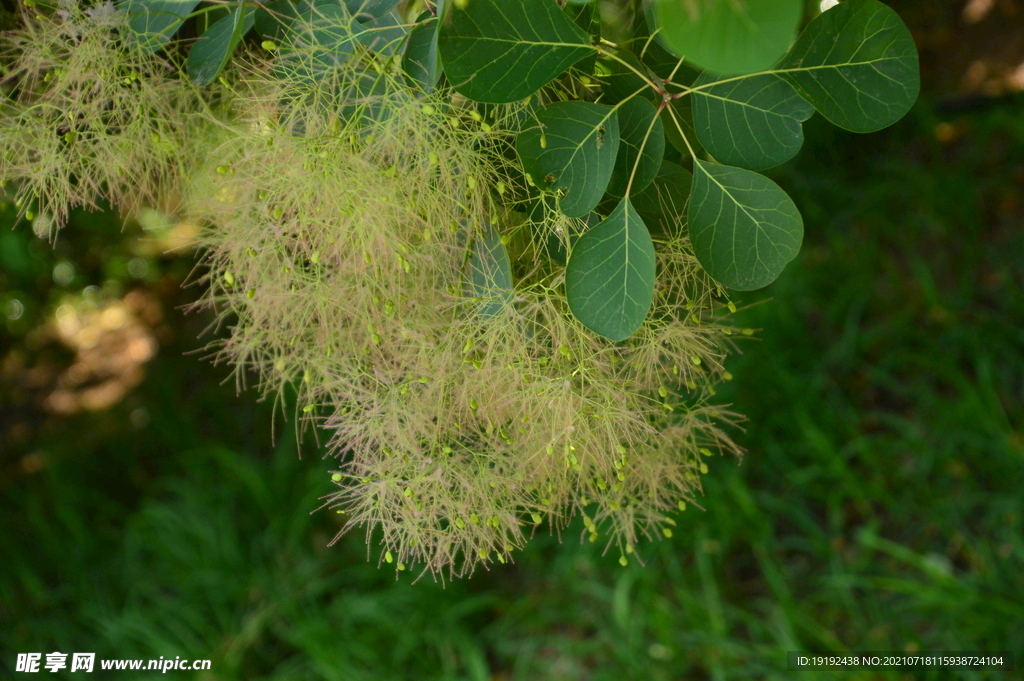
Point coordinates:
pixel 705 94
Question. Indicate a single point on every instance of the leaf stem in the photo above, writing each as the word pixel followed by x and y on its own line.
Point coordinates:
pixel 679 128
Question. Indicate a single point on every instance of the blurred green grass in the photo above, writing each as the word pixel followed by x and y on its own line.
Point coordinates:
pixel 880 506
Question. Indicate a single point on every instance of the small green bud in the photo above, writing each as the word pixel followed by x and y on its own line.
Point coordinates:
pixel 308 408
pixel 229 279
pixel 501 188
pixel 336 477
pixel 471 182
pixel 705 451
pixel 663 391
pixel 593 537
pixel 401 566
pixel 623 561
pixel 682 505
pixel 475 115
pixel 537 518
pixel 376 338
pixel 388 557
pixel 428 109
pixel 667 533
pixel 696 360
pixel 278 212
pixel 629 548
pixel 564 349
pixel 486 127
pixel 732 306
pixel 474 518
pixel 482 553
pixel 223 170
pixel 269 45
pixel 748 332
pixel 408 492
pixel 433 159
pixel 459 523
pixel 703 468
pixel 315 258
pixel 727 376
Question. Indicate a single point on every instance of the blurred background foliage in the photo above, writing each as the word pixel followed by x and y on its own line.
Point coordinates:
pixel 147 511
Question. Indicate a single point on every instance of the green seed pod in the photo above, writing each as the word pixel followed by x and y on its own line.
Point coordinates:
pixel 623 561
pixel 336 477
pixel 663 391
pixel 682 505
pixel 696 360
pixel 667 533
pixel 727 376
pixel 401 566
pixel 388 557
pixel 459 523
pixel 308 408
pixel 537 518
pixel 732 306
pixel 229 279
pixel 703 468
pixel 474 518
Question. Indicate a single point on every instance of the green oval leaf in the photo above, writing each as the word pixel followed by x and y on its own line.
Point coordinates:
pixel 490 273
pixel 274 18
pixel 367 10
pixel 642 147
pixel 609 281
pixel 857 64
pixel 572 148
pixel 663 204
pixel 420 61
pixel 318 42
pixel 385 33
pixel 743 227
pixel 730 36
pixel 499 51
pixel 211 51
pixel 752 122
pixel 151 23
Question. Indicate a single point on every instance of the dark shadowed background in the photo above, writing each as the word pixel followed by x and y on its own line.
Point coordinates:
pixel 147 512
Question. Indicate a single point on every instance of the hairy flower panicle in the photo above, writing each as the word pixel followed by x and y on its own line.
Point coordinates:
pixel 89 117
pixel 342 214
